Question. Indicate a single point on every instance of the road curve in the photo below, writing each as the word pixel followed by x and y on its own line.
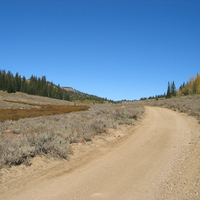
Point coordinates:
pixel 137 168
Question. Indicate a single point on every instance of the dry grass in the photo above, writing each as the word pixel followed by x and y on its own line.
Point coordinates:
pixel 9 100
pixel 52 135
pixel 187 104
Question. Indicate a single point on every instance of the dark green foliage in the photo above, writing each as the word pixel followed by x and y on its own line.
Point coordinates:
pixel 33 86
pixel 143 98
pixel 10 82
pixel 17 82
pixel 171 90
pixel 3 80
pixel 23 87
pixel 168 91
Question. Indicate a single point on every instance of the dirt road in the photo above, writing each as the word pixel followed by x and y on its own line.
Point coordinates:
pixel 158 159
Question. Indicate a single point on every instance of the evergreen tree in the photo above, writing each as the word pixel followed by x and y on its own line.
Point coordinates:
pixel 1 80
pixel 66 96
pixel 39 86
pixel 44 87
pixel 9 80
pixel 173 89
pixel 168 91
pixel 3 83
pixel 17 82
pixel 59 92
pixel 53 93
pixel 23 88
pixel 34 86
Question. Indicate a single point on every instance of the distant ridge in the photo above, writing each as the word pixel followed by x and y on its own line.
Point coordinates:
pixel 41 87
pixel 70 89
pixel 82 97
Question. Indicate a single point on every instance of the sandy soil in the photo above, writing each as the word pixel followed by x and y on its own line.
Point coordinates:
pixel 157 159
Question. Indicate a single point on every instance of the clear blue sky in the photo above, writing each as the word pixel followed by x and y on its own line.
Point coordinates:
pixel 118 49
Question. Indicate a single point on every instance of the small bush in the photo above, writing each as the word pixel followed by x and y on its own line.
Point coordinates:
pixel 98 126
pixel 20 152
pixel 56 145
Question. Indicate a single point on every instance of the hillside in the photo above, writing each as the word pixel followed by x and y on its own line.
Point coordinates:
pixel 42 87
pixel 81 97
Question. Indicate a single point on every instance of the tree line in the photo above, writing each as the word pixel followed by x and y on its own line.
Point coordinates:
pixel 33 86
pixel 190 88
pixel 171 90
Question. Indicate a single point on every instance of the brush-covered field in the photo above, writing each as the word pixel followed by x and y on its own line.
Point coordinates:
pixel 31 126
pixel 186 104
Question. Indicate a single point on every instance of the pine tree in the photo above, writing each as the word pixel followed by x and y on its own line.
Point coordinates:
pixel 3 83
pixel 59 92
pixel 66 96
pixel 17 81
pixel 1 80
pixel 44 87
pixel 34 86
pixel 173 89
pixel 9 80
pixel 22 88
pixel 168 91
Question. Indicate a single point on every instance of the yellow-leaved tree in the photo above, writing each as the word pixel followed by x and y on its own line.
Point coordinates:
pixel 191 87
pixel 197 84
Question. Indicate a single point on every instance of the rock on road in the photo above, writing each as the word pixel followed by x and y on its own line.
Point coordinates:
pixel 157 160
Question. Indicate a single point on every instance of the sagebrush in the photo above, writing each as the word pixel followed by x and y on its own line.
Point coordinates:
pixel 52 135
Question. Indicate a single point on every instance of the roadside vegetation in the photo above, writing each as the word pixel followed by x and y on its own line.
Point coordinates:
pixel 186 99
pixel 192 87
pixel 25 138
pixel 189 104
